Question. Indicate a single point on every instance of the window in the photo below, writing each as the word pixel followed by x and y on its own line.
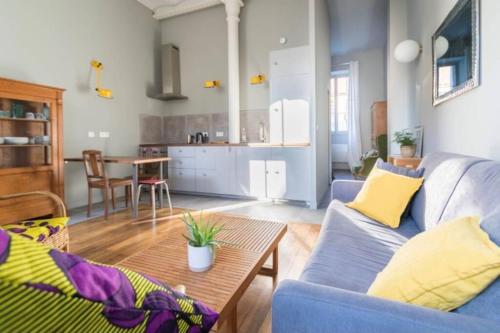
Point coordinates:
pixel 446 79
pixel 339 102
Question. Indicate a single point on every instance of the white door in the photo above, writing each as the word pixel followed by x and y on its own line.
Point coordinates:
pixel 276 123
pixel 290 94
pixel 251 171
pixel 225 170
pixel 276 177
pixel 289 173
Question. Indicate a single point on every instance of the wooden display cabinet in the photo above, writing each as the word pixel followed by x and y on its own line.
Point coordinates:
pixel 35 112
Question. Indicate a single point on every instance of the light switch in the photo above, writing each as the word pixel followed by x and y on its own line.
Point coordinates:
pixel 91 135
pixel 104 135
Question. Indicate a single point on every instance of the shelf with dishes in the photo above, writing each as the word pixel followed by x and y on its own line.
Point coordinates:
pixel 37 141
pixel 24 120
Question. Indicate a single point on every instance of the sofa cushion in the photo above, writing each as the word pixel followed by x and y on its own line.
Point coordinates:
pixel 443 171
pixel 478 193
pixel 353 249
pixel 385 196
pixel 80 296
pixel 419 173
pixel 442 268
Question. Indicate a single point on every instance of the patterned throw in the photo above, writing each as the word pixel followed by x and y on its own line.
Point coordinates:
pixel 45 290
pixel 38 230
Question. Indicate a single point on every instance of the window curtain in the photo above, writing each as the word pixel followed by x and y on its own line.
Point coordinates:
pixel 354 136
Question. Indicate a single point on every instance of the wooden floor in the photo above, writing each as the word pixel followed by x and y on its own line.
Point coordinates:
pixel 111 241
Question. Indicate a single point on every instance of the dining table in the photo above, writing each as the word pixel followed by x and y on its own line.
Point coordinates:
pixel 135 162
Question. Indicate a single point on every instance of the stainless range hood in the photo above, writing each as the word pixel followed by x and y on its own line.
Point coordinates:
pixel 171 74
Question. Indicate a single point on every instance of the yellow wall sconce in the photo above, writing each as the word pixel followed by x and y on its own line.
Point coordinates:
pixel 258 79
pixel 212 84
pixel 101 92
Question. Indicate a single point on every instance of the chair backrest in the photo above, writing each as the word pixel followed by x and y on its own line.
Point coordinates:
pixel 94 165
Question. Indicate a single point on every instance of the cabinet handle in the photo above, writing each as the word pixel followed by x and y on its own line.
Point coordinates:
pixel 204 151
pixel 204 175
pixel 180 162
pixel 180 150
pixel 180 173
pixel 277 172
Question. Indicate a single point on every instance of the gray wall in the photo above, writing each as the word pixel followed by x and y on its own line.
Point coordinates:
pixel 467 124
pixel 322 67
pixel 372 86
pixel 202 39
pixel 53 41
pixel 399 107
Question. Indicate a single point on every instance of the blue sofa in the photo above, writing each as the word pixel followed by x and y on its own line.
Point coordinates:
pixel 330 295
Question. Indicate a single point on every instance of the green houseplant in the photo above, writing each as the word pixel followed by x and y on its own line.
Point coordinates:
pixel 202 242
pixel 407 143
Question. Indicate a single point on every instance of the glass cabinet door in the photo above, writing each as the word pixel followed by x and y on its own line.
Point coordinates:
pixel 25 133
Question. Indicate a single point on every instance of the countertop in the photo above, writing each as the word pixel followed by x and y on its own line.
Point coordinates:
pixel 263 145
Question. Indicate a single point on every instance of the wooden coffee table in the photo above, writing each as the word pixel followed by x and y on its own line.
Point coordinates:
pixel 236 265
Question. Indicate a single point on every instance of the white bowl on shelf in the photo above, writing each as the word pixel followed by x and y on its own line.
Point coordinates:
pixel 13 140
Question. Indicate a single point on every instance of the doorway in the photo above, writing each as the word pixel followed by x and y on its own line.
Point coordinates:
pixel 339 115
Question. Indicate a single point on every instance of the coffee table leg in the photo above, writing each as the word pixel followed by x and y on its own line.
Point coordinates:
pixel 272 271
pixel 230 325
pixel 232 321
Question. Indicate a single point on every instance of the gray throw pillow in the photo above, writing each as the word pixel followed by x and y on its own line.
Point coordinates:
pixel 419 173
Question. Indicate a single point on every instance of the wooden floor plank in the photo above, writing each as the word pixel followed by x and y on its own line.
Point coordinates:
pixel 120 237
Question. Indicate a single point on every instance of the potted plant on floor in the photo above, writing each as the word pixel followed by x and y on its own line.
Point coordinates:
pixel 407 143
pixel 201 242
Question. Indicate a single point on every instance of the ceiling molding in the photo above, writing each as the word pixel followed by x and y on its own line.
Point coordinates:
pixel 184 7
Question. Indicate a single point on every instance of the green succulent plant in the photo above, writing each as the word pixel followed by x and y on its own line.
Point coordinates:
pixel 404 138
pixel 202 231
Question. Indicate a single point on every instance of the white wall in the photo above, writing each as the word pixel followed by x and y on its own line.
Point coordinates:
pixel 202 39
pixel 372 86
pixel 53 41
pixel 399 108
pixel 467 124
pixel 322 56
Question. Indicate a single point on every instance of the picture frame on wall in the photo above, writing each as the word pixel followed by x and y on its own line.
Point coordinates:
pixel 418 132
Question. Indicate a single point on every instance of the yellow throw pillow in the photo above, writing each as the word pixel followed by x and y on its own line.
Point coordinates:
pixel 442 268
pixel 385 196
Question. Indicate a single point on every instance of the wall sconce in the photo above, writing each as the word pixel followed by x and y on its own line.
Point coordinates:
pixel 101 92
pixel 212 84
pixel 258 79
pixel 407 51
pixel 441 46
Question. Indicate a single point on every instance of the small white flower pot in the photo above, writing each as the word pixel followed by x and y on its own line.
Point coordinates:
pixel 200 259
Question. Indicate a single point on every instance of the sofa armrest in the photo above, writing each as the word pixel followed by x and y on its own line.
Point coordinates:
pixel 305 307
pixel 346 190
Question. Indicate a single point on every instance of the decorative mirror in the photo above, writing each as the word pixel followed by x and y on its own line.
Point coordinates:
pixel 455 49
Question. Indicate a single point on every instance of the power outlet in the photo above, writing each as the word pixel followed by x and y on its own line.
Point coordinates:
pixel 219 134
pixel 104 135
pixel 91 134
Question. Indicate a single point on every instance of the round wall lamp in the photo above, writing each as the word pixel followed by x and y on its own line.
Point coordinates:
pixel 441 47
pixel 407 51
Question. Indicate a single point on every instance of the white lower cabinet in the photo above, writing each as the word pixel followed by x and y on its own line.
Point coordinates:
pixel 182 180
pixel 260 172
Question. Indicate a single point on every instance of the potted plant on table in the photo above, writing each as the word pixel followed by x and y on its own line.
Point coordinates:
pixel 407 143
pixel 201 242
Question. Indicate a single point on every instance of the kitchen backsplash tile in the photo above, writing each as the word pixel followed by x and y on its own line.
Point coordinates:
pixel 175 129
pixel 151 131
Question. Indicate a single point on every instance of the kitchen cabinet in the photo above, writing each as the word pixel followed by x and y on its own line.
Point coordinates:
pixel 290 96
pixel 251 171
pixel 182 180
pixel 288 174
pixel 258 172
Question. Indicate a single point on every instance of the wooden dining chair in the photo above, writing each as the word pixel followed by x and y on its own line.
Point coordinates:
pixel 97 179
